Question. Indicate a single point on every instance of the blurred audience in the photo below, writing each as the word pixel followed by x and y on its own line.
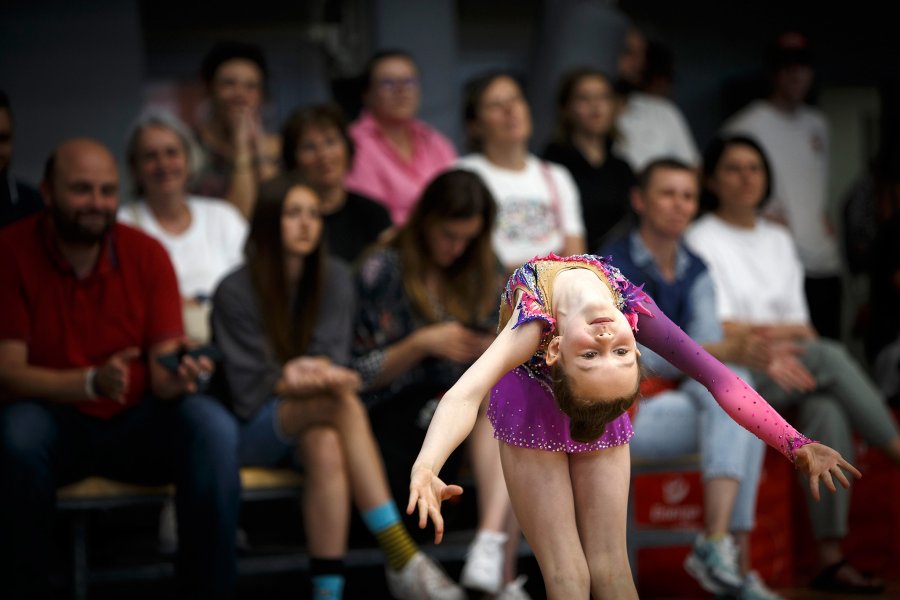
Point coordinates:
pixel 17 198
pixel 795 137
pixel 326 374
pixel 650 126
pixel 90 307
pixel 428 309
pixel 539 210
pixel 659 70
pixel 677 415
pixel 586 111
pixel 283 322
pixel 759 287
pixel 396 153
pixel 238 151
pixel 317 145
pixel 883 336
pixel 204 236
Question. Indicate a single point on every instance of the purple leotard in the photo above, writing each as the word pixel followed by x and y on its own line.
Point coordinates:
pixel 524 413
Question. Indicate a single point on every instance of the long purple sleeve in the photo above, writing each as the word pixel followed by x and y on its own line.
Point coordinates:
pixel 737 398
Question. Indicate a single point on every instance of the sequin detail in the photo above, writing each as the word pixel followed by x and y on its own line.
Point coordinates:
pixel 792 444
pixel 525 414
pixel 533 305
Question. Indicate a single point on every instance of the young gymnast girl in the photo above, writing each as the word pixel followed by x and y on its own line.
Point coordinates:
pixel 561 373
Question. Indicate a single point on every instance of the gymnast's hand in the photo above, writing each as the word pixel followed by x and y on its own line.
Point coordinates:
pixel 821 463
pixel 427 491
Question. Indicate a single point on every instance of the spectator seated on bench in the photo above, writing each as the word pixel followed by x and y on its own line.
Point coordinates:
pixel 686 418
pixel 283 322
pixel 89 306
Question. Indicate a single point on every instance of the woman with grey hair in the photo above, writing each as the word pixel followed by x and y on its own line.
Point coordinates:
pixel 204 236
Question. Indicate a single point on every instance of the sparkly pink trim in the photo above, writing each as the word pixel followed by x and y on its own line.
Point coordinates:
pixel 795 443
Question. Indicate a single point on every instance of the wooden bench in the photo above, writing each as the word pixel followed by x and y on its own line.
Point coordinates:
pixel 99 493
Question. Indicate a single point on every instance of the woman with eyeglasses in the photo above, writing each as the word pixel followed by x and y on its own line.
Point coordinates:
pixel 396 153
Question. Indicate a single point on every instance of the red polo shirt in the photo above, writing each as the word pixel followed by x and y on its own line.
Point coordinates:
pixel 130 298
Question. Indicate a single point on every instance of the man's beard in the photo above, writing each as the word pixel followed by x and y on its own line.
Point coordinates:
pixel 70 230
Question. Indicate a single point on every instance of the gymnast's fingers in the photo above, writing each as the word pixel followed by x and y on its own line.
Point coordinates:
pixel 438 521
pixel 847 466
pixel 814 487
pixel 841 477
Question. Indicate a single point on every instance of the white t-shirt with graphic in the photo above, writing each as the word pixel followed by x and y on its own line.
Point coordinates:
pixel 537 207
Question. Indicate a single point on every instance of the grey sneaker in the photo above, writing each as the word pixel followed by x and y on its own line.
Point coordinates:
pixel 714 565
pixel 755 589
pixel 483 570
pixel 422 579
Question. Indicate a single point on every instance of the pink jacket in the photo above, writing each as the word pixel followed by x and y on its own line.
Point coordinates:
pixel 380 173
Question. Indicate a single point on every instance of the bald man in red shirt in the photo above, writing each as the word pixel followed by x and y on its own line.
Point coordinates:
pixel 87 307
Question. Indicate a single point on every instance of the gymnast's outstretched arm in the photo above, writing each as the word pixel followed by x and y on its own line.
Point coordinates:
pixel 455 417
pixel 739 400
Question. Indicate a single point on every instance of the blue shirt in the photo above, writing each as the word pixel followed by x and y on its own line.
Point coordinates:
pixel 689 300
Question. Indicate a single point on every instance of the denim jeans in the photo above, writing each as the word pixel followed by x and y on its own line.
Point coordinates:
pixel 191 442
pixel 263 444
pixel 687 420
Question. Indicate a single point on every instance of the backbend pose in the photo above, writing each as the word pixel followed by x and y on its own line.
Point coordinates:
pixel 561 374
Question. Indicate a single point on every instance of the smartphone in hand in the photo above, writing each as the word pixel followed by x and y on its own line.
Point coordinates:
pixel 172 360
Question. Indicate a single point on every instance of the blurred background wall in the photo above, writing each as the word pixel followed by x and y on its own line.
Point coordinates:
pixel 88 68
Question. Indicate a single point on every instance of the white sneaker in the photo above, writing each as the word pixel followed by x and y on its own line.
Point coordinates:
pixel 755 589
pixel 714 565
pixel 514 590
pixel 483 570
pixel 422 579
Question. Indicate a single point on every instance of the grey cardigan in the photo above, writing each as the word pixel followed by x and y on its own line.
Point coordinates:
pixel 250 367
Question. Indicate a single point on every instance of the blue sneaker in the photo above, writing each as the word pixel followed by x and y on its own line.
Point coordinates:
pixel 714 565
pixel 755 589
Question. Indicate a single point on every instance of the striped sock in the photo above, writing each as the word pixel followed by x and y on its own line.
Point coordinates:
pixel 385 524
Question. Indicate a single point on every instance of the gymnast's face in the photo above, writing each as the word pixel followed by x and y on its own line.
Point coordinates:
pixel 597 351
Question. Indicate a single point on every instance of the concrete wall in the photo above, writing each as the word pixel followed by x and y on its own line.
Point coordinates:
pixel 70 69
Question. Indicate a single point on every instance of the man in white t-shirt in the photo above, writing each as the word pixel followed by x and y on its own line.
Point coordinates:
pixel 651 126
pixel 795 137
